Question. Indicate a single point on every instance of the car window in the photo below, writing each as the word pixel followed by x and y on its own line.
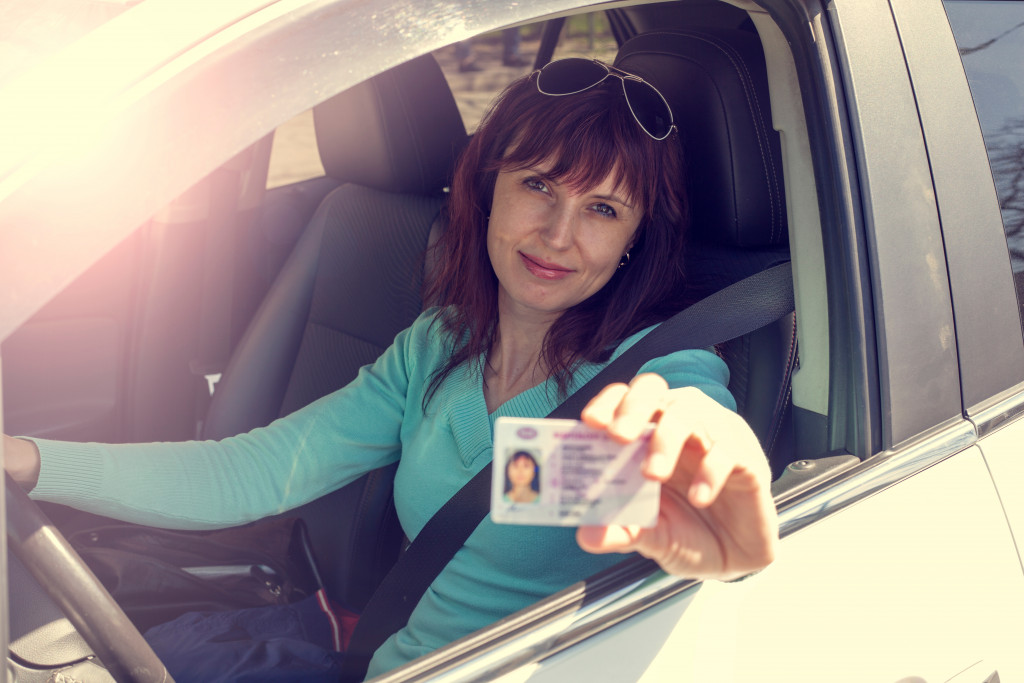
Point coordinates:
pixel 587 35
pixel 479 68
pixel 294 155
pixel 990 37
pixel 476 69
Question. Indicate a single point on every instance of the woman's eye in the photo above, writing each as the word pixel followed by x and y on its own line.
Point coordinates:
pixel 605 210
pixel 535 184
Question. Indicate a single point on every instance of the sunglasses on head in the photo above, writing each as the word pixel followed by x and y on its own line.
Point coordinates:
pixel 575 74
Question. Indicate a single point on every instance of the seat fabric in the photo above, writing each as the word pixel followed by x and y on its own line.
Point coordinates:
pixel 367 287
pixel 352 282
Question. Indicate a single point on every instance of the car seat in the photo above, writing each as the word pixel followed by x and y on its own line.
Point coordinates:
pixel 716 82
pixel 352 282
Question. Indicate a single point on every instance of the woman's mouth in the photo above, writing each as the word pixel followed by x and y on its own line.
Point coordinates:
pixel 543 269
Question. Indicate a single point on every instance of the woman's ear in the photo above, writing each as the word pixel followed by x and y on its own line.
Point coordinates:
pixel 634 238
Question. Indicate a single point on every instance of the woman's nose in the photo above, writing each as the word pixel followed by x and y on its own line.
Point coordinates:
pixel 558 231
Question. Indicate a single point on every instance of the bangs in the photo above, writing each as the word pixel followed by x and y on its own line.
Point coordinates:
pixel 582 139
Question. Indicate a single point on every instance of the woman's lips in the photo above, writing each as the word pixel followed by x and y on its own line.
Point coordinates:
pixel 543 269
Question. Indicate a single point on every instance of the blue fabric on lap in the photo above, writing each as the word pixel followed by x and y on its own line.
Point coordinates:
pixel 274 643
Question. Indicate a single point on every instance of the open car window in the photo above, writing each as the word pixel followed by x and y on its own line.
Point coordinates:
pixel 477 71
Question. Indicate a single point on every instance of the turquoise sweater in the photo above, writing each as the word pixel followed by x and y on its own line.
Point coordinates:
pixel 372 422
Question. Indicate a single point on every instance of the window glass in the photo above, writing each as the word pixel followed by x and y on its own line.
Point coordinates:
pixel 990 36
pixel 587 35
pixel 294 156
pixel 480 68
pixel 476 70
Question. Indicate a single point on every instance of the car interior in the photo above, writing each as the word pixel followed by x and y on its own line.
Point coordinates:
pixel 289 291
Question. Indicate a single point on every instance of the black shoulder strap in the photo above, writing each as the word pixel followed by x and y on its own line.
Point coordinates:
pixel 739 309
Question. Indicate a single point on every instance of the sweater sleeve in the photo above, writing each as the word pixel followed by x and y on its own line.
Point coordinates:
pixel 208 484
pixel 700 368
pixel 695 368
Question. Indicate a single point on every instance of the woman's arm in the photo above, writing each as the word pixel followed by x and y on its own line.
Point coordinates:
pixel 215 484
pixel 208 484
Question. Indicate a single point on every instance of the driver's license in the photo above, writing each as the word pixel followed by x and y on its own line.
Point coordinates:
pixel 563 473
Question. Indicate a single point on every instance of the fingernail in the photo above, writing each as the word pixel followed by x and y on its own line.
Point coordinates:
pixel 659 466
pixel 700 493
pixel 621 431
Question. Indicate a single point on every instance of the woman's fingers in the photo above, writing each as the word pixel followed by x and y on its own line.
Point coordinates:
pixel 625 411
pixel 700 444
pixel 606 539
pixel 647 393
pixel 600 412
pixel 678 431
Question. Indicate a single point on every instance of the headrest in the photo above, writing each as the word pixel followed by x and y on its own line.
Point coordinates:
pixel 397 132
pixel 716 83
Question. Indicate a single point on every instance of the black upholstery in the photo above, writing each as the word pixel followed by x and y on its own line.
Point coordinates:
pixel 372 135
pixel 336 285
pixel 400 131
pixel 717 85
pixel 349 286
pixel 367 288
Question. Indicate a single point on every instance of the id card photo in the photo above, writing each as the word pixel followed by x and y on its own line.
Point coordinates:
pixel 563 473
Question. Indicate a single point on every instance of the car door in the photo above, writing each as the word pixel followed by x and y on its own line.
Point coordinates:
pixel 902 567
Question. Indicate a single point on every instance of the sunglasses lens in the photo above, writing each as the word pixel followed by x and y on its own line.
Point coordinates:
pixel 569 76
pixel 649 108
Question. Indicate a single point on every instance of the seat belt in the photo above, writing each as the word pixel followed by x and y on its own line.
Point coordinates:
pixel 739 309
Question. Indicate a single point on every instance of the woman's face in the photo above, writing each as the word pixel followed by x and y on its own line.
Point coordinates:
pixel 520 472
pixel 552 247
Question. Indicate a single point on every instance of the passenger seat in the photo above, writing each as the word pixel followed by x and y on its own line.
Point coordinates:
pixel 352 282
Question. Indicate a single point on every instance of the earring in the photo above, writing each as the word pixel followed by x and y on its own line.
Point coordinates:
pixel 625 259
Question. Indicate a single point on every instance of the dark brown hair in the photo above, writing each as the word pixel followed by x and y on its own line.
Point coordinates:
pixel 586 137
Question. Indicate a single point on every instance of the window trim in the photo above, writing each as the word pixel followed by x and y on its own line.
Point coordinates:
pixel 900 223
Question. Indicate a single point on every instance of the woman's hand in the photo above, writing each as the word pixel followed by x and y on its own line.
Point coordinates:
pixel 21 460
pixel 717 518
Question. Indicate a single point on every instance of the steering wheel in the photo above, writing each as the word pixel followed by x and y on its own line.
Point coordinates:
pixel 75 589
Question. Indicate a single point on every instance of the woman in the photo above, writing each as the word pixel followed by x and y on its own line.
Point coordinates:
pixel 522 478
pixel 564 243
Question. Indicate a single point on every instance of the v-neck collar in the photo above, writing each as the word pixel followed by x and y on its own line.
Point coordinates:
pixel 466 408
